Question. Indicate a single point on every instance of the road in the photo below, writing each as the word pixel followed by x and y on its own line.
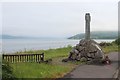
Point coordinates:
pixel 96 71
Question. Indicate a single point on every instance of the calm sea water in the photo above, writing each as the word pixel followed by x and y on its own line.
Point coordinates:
pixel 14 45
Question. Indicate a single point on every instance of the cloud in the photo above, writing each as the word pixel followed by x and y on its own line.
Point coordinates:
pixel 56 19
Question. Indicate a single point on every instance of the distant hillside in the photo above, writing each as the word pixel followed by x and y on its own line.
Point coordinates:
pixel 98 35
pixel 14 37
pixel 23 37
pixel 9 37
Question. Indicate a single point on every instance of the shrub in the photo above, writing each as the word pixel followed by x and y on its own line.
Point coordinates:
pixel 7 71
pixel 105 44
pixel 69 46
pixel 117 41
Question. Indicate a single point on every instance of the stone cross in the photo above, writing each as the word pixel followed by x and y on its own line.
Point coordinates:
pixel 87 26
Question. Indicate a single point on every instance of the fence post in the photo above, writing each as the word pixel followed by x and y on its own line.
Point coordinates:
pixel 42 57
pixel 3 56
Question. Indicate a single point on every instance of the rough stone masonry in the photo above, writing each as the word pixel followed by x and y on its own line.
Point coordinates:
pixel 86 48
pixel 87 26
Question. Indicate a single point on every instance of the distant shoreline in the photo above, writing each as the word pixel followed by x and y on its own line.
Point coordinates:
pixel 13 46
pixel 97 35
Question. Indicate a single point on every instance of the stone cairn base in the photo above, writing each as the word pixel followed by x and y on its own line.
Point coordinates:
pixel 87 50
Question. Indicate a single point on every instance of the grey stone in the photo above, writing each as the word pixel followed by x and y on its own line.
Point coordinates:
pixel 87 49
pixel 87 26
pixel 83 59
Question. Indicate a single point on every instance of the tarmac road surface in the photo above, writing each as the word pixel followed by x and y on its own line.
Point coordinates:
pixel 96 71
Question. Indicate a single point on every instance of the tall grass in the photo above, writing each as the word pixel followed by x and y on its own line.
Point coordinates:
pixel 35 70
pixel 111 48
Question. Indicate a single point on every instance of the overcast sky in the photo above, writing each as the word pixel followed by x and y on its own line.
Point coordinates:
pixel 56 19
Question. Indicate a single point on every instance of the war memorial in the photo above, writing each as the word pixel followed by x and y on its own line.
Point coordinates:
pixel 87 48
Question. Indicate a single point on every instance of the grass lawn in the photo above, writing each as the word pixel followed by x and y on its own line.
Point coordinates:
pixel 35 70
pixel 55 69
pixel 51 53
pixel 112 48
